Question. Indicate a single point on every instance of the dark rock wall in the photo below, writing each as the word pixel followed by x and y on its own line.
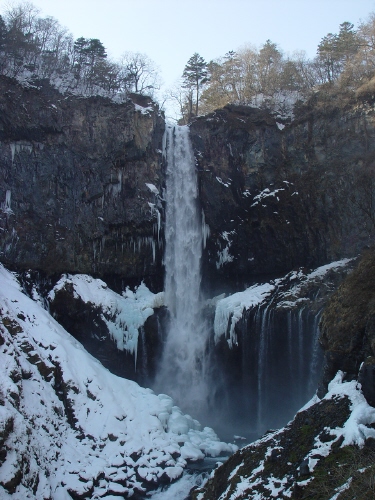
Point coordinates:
pixel 275 196
pixel 319 173
pixel 348 329
pixel 73 174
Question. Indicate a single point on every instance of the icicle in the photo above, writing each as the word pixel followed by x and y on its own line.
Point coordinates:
pixel 17 147
pixel 12 150
pixel 262 361
pixel 314 362
pixel 300 343
pixel 159 224
pixel 153 210
pixel 153 250
pixel 205 230
pixel 5 206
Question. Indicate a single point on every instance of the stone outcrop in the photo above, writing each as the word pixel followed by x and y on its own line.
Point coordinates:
pixel 317 455
pixel 73 183
pixel 277 195
pixel 121 331
pixel 348 328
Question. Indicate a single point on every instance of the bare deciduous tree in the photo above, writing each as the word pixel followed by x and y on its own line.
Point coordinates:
pixel 139 73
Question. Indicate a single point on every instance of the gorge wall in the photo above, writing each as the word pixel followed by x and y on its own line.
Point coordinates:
pixel 81 191
pixel 277 194
pixel 73 183
pixel 81 186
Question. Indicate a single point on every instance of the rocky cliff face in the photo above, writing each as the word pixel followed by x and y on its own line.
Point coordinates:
pixel 81 185
pixel 80 179
pixel 73 183
pixel 276 195
pixel 348 329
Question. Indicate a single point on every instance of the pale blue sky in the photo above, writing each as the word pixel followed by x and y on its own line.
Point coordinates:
pixel 170 31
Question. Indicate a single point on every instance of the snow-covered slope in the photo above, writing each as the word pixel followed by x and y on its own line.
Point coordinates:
pixel 70 428
pixel 327 449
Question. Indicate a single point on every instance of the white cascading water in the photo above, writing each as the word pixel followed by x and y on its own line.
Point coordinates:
pixel 182 370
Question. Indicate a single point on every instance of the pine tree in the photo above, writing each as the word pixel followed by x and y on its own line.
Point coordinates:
pixel 194 77
pixel 347 42
pixel 269 67
pixel 334 51
pixel 89 54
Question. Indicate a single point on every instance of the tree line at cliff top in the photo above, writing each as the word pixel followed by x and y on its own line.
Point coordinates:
pixel 34 48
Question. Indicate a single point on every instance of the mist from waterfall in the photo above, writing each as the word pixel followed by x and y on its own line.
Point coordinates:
pixel 181 373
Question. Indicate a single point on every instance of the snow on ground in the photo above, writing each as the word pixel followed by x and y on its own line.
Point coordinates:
pixel 225 184
pixel 266 193
pixel 152 188
pixel 180 489
pixel 143 110
pixel 68 425
pixel 355 430
pixel 123 315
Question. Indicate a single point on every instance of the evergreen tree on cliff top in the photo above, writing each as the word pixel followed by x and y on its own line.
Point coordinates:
pixel 194 77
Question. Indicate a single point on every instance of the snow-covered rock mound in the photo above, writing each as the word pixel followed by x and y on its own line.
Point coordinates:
pixel 327 449
pixel 296 289
pixel 122 314
pixel 71 429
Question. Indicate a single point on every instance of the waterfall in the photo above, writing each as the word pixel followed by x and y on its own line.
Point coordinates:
pixel 264 333
pixel 254 385
pixel 272 371
pixel 181 373
pixel 289 359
